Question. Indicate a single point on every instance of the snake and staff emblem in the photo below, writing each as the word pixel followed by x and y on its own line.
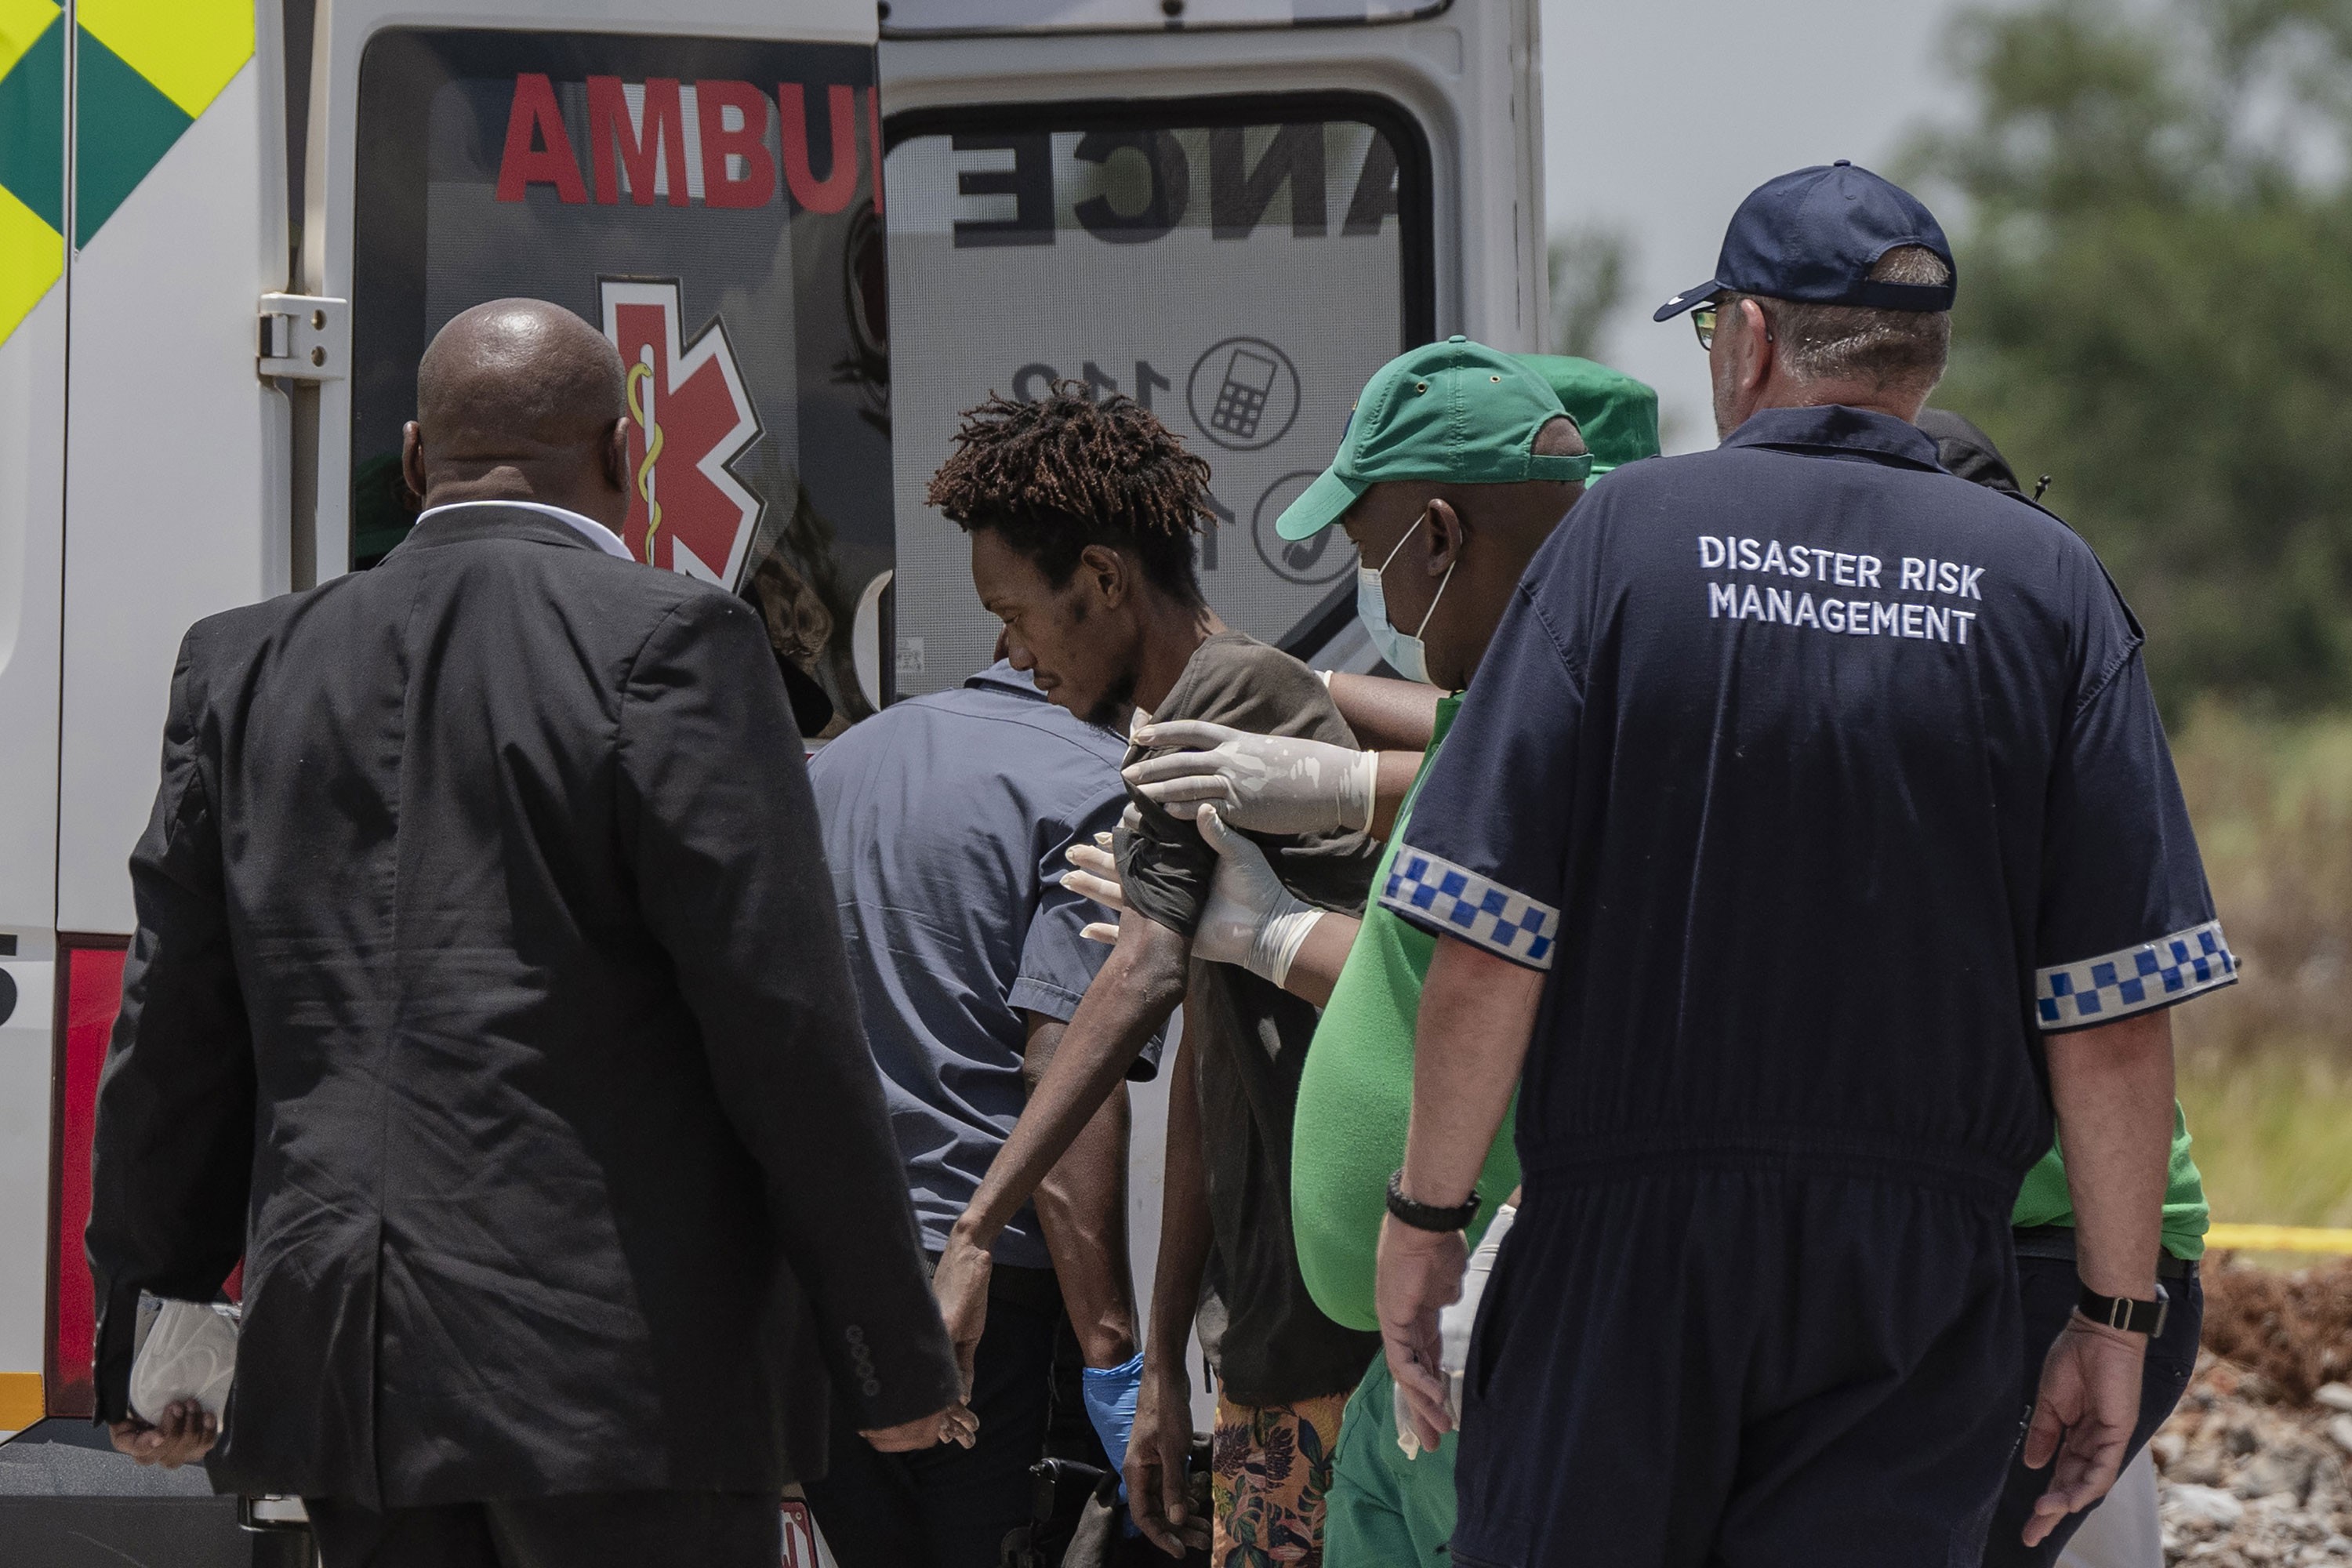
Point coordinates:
pixel 689 416
pixel 641 409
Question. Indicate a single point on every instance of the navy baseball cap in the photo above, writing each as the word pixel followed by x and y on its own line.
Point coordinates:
pixel 1814 235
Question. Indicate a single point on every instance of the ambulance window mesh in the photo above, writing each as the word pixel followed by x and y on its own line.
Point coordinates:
pixel 1241 266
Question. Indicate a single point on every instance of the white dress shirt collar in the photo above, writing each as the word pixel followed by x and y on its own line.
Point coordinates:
pixel 587 527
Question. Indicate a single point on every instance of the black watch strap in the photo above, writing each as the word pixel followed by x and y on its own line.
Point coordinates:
pixel 2124 1314
pixel 1429 1216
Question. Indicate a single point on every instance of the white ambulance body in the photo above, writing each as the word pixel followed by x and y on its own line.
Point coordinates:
pixel 227 230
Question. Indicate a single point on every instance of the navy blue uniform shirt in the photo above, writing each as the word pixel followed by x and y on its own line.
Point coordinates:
pixel 945 821
pixel 1821 782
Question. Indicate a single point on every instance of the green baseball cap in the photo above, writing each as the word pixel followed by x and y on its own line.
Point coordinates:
pixel 1456 411
pixel 1617 414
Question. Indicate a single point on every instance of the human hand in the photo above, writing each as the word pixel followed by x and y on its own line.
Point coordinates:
pixel 1094 874
pixel 961 1283
pixel 1268 784
pixel 186 1432
pixel 1159 1496
pixel 1250 919
pixel 1419 1274
pixel 2084 1415
pixel 956 1424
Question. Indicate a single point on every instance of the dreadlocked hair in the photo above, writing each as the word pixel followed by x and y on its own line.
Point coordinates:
pixel 1069 470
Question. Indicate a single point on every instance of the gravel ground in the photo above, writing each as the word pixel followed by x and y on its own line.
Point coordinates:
pixel 2255 1466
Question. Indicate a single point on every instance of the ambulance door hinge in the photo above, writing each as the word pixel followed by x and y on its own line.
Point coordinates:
pixel 305 338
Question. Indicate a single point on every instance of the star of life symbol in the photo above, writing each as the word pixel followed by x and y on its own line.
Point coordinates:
pixel 689 414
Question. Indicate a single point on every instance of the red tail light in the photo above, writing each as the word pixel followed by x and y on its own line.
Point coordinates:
pixel 90 981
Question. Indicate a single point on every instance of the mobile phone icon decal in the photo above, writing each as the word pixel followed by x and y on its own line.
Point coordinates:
pixel 1240 398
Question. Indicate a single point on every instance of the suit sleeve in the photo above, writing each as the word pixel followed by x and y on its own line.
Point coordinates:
pixel 720 828
pixel 172 1157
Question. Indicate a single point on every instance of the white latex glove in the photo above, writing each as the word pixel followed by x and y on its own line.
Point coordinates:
pixel 1266 784
pixel 1094 874
pixel 1251 918
pixel 1453 1325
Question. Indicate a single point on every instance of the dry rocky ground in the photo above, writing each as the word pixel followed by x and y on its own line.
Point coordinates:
pixel 2255 1466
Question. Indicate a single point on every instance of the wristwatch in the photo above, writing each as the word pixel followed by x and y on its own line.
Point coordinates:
pixel 2124 1314
pixel 1429 1216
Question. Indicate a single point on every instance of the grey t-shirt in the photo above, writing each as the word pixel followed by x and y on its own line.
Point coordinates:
pixel 1278 1346
pixel 945 818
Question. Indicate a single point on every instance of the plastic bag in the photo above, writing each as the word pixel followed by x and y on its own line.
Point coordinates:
pixel 187 1351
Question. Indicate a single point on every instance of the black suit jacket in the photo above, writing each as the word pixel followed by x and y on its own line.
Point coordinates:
pixel 488 998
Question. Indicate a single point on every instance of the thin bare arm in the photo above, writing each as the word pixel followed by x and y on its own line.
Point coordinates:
pixel 1082 1209
pixel 1386 714
pixel 1398 718
pixel 1132 995
pixel 1320 957
pixel 1156 1487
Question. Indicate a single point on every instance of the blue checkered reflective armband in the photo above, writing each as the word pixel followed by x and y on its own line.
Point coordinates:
pixel 1438 895
pixel 2153 974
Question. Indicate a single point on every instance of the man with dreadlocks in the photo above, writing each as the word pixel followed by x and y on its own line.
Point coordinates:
pixel 1083 515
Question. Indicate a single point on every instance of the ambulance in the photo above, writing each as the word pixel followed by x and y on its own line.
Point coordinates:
pixel 815 230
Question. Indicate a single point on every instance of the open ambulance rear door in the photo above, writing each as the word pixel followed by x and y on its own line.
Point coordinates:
pixel 272 205
pixel 1233 210
pixel 143 482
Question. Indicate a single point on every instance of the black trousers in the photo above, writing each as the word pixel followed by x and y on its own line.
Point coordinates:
pixel 1740 1368
pixel 599 1530
pixel 2046 1289
pixel 948 1507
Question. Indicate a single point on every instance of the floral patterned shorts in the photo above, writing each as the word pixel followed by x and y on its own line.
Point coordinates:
pixel 1272 1464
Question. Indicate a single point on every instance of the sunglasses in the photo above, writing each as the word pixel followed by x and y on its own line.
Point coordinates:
pixel 1703 324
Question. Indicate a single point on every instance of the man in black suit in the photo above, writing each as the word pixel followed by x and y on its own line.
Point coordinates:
pixel 488 998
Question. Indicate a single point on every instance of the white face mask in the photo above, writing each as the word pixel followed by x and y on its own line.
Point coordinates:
pixel 1405 654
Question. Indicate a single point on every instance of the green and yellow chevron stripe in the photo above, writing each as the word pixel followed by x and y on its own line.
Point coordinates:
pixel 32 155
pixel 143 70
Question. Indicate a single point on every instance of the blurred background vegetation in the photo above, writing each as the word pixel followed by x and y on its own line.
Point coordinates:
pixel 2155 238
pixel 2154 229
pixel 2266 1066
pixel 2151 205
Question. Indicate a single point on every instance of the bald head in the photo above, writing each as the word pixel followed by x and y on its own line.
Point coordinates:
pixel 520 400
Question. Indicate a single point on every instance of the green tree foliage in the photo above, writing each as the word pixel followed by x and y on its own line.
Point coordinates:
pixel 2156 308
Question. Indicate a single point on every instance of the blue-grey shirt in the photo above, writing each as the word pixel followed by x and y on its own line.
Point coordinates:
pixel 945 820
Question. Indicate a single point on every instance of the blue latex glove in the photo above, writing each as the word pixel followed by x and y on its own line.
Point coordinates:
pixel 1109 1393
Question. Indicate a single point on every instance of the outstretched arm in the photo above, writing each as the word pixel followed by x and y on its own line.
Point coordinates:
pixel 1131 999
pixel 1271 783
pixel 1251 918
pixel 1394 715
pixel 1156 1491
pixel 1082 1209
